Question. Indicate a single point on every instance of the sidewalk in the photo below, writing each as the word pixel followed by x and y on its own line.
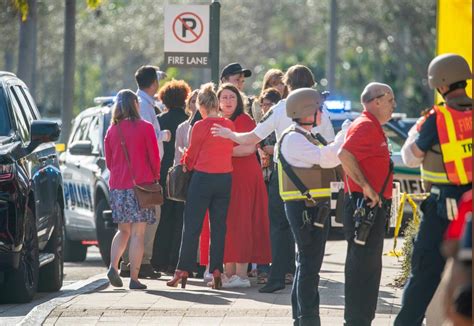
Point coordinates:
pixel 199 305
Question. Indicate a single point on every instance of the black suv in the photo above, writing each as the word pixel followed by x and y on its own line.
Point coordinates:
pixel 31 197
pixel 86 190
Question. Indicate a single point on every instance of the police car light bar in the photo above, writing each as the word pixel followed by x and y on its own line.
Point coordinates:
pixel 338 106
pixel 104 99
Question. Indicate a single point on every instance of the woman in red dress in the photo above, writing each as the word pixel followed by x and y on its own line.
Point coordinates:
pixel 247 239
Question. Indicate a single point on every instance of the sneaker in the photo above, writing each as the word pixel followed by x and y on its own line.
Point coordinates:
pixel 236 282
pixel 207 276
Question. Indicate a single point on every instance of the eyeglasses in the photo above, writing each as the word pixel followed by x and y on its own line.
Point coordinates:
pixel 380 96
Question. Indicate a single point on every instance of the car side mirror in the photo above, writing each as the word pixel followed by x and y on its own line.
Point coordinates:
pixel 81 147
pixel 43 131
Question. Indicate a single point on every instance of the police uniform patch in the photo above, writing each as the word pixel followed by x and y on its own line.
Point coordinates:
pixel 267 115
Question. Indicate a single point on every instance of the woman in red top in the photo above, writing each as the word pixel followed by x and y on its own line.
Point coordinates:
pixel 140 141
pixel 247 238
pixel 211 160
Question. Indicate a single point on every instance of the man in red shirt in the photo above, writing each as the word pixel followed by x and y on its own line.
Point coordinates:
pixel 365 158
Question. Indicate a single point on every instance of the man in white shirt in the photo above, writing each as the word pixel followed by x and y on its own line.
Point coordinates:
pixel 148 84
pixel 276 120
pixel 301 150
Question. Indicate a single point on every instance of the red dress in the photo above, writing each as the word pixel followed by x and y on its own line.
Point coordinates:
pixel 248 229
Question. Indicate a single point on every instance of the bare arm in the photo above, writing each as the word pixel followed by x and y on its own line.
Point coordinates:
pixel 242 138
pixel 244 150
pixel 352 168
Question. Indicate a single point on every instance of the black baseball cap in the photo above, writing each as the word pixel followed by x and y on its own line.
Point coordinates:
pixel 233 69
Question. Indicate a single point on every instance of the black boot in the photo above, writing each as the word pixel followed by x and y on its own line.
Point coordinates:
pixel 271 287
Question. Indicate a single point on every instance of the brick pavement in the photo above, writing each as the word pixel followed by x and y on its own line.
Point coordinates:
pixel 199 305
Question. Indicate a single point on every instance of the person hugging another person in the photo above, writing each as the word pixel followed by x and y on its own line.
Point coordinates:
pixel 248 238
pixel 211 160
pixel 141 165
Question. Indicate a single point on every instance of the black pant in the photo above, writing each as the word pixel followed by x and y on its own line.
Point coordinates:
pixel 168 235
pixel 206 191
pixel 311 246
pixel 363 267
pixel 427 263
pixel 283 246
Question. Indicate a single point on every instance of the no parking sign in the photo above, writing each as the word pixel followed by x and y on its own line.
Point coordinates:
pixel 187 35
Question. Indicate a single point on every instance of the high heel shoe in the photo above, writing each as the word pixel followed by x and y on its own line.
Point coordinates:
pixel 216 279
pixel 179 277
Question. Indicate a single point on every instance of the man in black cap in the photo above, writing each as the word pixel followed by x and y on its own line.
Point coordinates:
pixel 234 73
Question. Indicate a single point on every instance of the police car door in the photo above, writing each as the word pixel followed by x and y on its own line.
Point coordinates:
pixel 77 188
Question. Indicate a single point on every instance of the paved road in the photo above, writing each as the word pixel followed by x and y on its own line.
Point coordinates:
pixel 11 314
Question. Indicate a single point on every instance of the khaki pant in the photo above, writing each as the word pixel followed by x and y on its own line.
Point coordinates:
pixel 150 233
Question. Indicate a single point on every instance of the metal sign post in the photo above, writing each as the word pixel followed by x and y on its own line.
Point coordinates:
pixel 214 40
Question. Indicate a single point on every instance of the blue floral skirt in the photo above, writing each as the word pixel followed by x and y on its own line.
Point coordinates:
pixel 125 208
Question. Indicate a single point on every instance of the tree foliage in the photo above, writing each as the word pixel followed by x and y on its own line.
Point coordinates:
pixel 388 41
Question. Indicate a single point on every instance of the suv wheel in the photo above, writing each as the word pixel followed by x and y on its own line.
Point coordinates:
pixel 21 284
pixel 74 251
pixel 105 234
pixel 51 275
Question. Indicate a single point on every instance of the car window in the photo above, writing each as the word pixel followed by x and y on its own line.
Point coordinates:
pixel 93 134
pixel 31 103
pixel 25 109
pixel 21 121
pixel 395 140
pixel 5 126
pixel 81 129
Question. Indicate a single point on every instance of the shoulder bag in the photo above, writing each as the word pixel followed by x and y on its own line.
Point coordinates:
pixel 177 181
pixel 148 195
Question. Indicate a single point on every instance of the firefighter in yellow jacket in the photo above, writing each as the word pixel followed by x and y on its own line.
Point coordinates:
pixel 441 144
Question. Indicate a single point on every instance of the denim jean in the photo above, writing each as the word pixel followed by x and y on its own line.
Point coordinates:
pixel 206 191
pixel 283 247
pixel 311 246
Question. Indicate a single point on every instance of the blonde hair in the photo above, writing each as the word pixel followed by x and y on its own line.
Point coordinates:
pixel 125 107
pixel 271 77
pixel 207 97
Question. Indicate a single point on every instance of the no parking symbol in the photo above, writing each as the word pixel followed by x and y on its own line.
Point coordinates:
pixel 188 27
pixel 187 35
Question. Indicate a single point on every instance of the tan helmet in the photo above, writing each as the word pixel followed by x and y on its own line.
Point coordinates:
pixel 447 69
pixel 303 102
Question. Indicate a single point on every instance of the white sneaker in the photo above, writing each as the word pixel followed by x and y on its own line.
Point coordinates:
pixel 236 282
pixel 207 276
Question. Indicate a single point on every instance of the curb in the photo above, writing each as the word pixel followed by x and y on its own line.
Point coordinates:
pixel 39 313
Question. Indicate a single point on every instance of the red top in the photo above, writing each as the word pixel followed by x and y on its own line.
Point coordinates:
pixel 142 147
pixel 207 153
pixel 366 140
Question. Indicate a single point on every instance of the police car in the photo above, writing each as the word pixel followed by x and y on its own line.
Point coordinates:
pixel 405 179
pixel 86 191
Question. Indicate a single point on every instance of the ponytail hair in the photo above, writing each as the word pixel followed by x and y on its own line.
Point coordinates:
pixel 207 97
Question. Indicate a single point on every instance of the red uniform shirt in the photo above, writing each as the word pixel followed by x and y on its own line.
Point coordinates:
pixel 207 153
pixel 366 140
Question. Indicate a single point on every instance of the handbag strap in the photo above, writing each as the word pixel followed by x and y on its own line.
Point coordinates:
pixel 124 147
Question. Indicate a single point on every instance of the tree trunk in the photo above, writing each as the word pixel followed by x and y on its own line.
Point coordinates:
pixel 69 67
pixel 27 42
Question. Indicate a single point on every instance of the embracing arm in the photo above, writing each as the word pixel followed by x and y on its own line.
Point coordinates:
pixel 242 138
pixel 243 150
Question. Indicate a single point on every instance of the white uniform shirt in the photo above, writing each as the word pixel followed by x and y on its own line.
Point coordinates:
pixel 147 112
pixel 301 153
pixel 276 120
